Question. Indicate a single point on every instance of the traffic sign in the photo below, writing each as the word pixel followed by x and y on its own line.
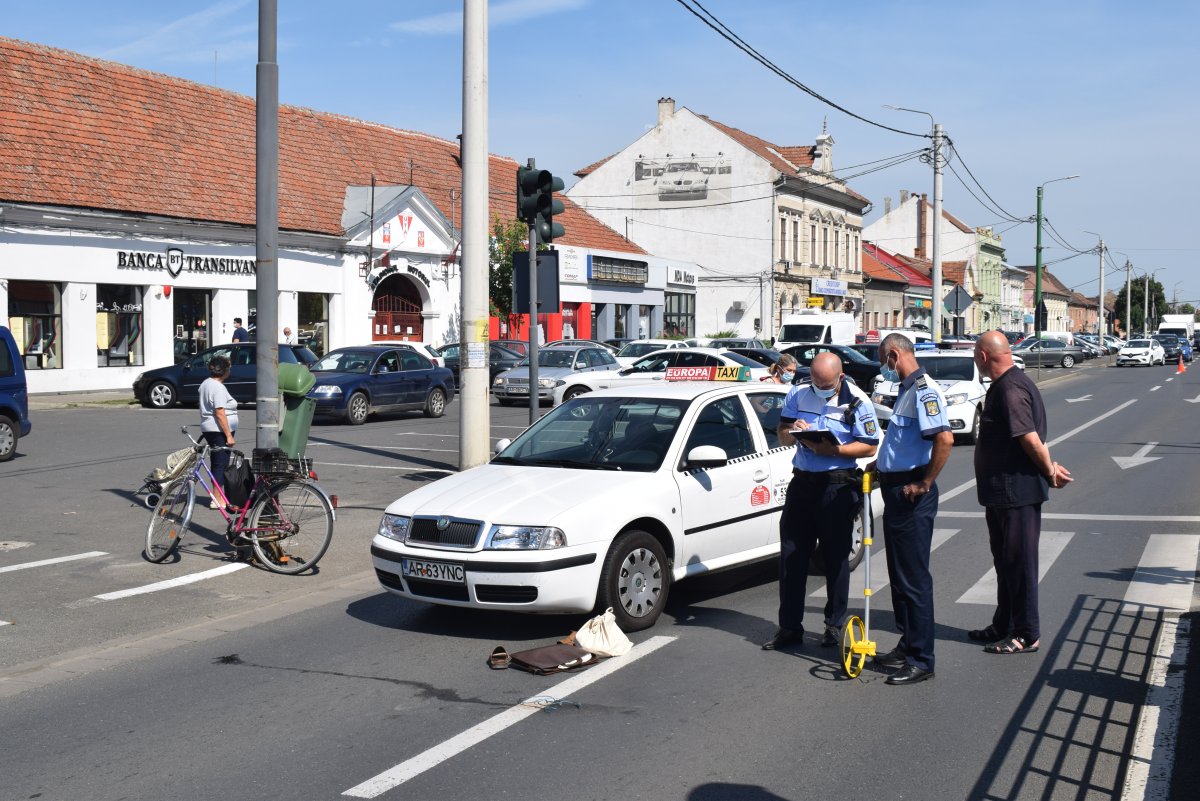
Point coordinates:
pixel 958 301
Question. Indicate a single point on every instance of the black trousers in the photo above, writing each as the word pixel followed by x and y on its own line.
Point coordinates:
pixel 816 511
pixel 218 460
pixel 1014 534
pixel 908 534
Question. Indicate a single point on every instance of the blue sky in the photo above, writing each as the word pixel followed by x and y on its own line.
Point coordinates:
pixel 1029 92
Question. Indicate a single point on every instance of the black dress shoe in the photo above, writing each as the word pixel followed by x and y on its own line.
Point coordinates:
pixel 909 674
pixel 784 638
pixel 891 660
pixel 832 636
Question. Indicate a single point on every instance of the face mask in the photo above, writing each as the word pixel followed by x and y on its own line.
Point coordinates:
pixel 825 394
pixel 788 376
pixel 890 375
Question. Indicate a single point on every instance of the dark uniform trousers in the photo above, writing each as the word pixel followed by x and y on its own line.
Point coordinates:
pixel 908 536
pixel 816 509
pixel 1014 533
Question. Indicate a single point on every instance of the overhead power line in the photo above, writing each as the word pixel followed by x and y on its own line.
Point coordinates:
pixel 709 19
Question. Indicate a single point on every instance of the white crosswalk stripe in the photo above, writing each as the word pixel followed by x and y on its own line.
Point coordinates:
pixel 1166 573
pixel 879 571
pixel 1050 547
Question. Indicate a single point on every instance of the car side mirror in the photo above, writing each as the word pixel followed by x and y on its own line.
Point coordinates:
pixel 625 371
pixel 705 456
pixel 501 445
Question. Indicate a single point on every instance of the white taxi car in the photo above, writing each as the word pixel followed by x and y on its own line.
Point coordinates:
pixel 653 367
pixel 959 379
pixel 1142 351
pixel 606 501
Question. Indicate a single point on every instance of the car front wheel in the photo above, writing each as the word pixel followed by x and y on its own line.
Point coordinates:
pixel 161 395
pixel 973 434
pixel 634 581
pixel 358 408
pixel 9 434
pixel 435 404
pixel 1068 361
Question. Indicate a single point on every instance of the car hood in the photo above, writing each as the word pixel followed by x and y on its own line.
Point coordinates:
pixel 543 372
pixel 503 494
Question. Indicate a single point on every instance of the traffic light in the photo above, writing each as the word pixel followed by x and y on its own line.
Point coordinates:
pixel 536 204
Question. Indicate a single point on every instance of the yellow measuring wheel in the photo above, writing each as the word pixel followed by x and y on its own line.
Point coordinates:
pixel 855 645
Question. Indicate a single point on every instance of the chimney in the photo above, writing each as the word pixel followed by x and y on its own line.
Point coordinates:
pixel 824 148
pixel 920 248
pixel 666 109
pixel 903 196
pixel 887 206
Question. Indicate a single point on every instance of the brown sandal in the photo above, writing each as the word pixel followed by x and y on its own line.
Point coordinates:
pixel 499 660
pixel 1012 645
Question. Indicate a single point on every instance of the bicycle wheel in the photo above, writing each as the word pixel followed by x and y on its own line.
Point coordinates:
pixel 293 526
pixel 170 519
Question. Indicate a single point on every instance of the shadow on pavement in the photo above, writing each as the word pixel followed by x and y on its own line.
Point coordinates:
pixel 722 791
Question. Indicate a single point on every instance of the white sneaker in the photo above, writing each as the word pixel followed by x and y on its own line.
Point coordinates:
pixel 212 504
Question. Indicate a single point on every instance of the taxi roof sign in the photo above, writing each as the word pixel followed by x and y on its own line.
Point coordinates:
pixel 731 372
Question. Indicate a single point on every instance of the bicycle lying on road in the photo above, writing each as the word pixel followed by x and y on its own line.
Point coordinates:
pixel 287 519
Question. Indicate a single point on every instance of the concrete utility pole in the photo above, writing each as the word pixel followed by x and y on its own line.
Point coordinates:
pixel 1146 308
pixel 1100 326
pixel 474 425
pixel 936 321
pixel 1037 295
pixel 266 224
pixel 1128 299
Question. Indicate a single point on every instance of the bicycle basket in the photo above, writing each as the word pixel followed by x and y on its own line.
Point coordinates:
pixel 275 462
pixel 178 463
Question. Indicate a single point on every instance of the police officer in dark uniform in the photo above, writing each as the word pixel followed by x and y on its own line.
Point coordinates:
pixel 914 450
pixel 825 493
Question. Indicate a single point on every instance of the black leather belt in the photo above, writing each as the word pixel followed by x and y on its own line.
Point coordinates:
pixel 841 476
pixel 904 477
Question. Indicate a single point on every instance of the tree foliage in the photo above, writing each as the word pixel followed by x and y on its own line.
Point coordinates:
pixel 507 238
pixel 1157 307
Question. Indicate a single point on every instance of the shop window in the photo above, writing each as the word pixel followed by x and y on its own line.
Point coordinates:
pixel 679 314
pixel 313 319
pixel 622 312
pixel 119 340
pixel 35 318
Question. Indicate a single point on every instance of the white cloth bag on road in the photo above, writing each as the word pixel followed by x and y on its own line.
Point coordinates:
pixel 602 636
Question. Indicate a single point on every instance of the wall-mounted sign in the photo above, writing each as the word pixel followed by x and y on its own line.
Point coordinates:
pixel 175 261
pixel 816 302
pixel 825 286
pixel 679 276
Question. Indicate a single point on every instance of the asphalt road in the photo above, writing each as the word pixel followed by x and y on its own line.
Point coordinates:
pixel 253 686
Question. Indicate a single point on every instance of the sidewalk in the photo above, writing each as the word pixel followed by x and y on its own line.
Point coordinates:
pixel 103 399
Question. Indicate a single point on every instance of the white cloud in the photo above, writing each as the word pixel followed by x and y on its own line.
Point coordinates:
pixel 194 37
pixel 503 13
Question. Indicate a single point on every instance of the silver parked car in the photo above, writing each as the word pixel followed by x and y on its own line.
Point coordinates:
pixel 1048 353
pixel 554 365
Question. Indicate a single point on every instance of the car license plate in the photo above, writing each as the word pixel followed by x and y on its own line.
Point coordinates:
pixel 518 390
pixel 445 572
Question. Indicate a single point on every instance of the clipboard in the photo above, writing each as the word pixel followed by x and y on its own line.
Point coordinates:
pixel 812 436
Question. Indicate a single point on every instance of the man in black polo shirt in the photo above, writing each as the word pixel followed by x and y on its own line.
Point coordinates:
pixel 1013 473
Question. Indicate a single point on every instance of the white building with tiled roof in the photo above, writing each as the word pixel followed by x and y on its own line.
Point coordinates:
pixel 770 227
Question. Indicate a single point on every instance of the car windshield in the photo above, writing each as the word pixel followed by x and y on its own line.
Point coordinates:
pixel 636 349
pixel 1138 343
pixel 651 364
pixel 1166 339
pixel 346 361
pixel 745 361
pixel 1025 344
pixel 588 433
pixel 851 355
pixel 556 357
pixel 802 333
pixel 940 368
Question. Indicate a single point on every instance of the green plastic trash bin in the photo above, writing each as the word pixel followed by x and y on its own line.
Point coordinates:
pixel 296 412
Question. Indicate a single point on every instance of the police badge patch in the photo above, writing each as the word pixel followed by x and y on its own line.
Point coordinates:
pixel 869 426
pixel 931 408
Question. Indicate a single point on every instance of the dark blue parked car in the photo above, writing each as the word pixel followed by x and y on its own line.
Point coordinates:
pixel 352 383
pixel 163 387
pixel 14 396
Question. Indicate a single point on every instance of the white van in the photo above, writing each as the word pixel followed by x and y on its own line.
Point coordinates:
pixel 804 328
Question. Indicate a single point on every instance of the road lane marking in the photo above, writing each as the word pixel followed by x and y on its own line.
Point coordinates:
pixel 55 561
pixel 5 623
pixel 1152 758
pixel 438 754
pixel 388 467
pixel 1166 573
pixel 1156 389
pixel 879 575
pixel 172 583
pixel 1169 380
pixel 1102 518
pixel 1050 547
pixel 961 488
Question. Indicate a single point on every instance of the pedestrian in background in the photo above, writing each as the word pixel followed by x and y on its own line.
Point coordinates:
pixel 914 450
pixel 239 334
pixel 218 422
pixel 288 337
pixel 1013 474
pixel 782 371
pixel 824 496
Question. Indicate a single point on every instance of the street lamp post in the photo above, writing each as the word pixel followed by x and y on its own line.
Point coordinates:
pixel 1037 292
pixel 1146 304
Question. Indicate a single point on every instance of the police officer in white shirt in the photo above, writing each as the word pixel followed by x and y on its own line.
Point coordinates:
pixel 825 494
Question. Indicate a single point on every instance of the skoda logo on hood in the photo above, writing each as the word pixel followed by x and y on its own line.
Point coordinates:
pixel 443 523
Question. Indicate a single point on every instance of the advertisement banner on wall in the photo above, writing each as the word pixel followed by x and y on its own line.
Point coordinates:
pixel 825 286
pixel 571 266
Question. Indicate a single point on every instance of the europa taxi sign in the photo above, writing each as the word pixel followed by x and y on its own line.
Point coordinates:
pixel 713 373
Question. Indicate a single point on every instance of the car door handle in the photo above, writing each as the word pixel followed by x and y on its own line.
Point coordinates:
pixel 760 475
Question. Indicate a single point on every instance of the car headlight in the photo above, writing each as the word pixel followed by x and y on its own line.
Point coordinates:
pixel 546 383
pixel 499 382
pixel 326 389
pixel 525 538
pixel 957 398
pixel 395 527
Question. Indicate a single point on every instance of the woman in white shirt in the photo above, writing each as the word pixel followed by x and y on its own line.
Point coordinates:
pixel 218 421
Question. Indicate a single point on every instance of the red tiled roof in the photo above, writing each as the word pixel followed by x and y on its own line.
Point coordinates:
pixel 957 223
pixel 912 275
pixel 878 271
pixel 788 159
pixel 1049 282
pixel 589 169
pixel 953 272
pixel 86 133
pixel 1079 299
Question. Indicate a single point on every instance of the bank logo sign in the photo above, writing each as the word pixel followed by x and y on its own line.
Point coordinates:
pixel 175 261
